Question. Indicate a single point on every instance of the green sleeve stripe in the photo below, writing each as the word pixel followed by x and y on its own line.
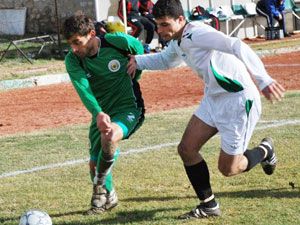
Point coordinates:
pixel 227 83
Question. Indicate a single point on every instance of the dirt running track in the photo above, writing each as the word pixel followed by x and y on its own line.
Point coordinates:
pixel 26 110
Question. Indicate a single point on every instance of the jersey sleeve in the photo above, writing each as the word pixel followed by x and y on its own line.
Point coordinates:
pixel 125 42
pixel 211 39
pixel 81 84
pixel 166 59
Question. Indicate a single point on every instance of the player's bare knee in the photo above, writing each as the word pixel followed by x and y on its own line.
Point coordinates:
pixel 182 150
pixel 185 151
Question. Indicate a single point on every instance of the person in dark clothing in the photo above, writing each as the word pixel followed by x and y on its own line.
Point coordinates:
pixel 146 8
pixel 137 22
pixel 273 9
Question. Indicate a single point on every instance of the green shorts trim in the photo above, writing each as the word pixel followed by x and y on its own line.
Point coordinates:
pixel 128 120
pixel 123 127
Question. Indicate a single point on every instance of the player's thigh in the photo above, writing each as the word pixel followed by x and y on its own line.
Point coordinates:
pixel 236 121
pixel 128 121
pixel 113 137
pixel 197 133
pixel 200 127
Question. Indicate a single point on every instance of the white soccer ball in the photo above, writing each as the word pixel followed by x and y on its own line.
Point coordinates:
pixel 35 217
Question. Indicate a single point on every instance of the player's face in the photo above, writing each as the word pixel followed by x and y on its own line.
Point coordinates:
pixel 82 45
pixel 169 28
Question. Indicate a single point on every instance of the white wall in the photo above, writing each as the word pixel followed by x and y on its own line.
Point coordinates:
pixel 106 8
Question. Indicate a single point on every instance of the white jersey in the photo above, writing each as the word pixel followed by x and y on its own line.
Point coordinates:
pixel 222 62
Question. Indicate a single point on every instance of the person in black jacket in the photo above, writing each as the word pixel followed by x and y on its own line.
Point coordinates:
pixel 137 22
pixel 146 8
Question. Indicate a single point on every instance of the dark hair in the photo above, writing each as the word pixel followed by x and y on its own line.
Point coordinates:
pixel 167 8
pixel 77 24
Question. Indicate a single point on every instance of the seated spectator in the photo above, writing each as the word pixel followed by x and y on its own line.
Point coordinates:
pixel 137 22
pixel 146 7
pixel 273 9
pixel 100 28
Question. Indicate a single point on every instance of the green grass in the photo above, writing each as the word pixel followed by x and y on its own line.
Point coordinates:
pixel 15 66
pixel 151 185
pixel 276 44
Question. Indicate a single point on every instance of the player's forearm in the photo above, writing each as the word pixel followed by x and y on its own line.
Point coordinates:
pixel 87 98
pixel 156 61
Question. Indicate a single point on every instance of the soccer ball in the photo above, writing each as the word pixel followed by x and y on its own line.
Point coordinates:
pixel 35 217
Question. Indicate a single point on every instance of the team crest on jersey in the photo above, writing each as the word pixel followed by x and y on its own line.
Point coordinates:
pixel 114 65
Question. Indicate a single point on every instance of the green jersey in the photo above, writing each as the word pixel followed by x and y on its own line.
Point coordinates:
pixel 102 82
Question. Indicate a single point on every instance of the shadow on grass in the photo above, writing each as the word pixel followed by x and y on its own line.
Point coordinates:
pixel 123 217
pixel 271 193
pixel 259 193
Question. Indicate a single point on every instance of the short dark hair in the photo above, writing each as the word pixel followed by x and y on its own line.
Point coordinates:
pixel 167 8
pixel 77 24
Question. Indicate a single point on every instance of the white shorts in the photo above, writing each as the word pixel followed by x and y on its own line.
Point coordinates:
pixel 227 112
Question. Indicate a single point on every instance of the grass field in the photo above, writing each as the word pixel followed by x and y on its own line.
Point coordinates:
pixel 149 176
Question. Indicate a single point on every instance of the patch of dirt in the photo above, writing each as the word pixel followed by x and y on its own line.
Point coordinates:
pixel 29 109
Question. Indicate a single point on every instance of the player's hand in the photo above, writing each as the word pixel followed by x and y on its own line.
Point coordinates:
pixel 104 123
pixel 131 66
pixel 274 92
pixel 280 16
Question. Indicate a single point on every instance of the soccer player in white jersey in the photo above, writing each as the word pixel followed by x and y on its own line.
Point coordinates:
pixel 231 103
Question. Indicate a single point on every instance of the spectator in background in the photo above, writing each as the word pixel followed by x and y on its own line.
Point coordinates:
pixel 273 9
pixel 100 28
pixel 146 7
pixel 137 22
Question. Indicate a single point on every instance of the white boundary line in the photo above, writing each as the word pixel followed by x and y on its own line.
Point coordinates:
pixel 282 65
pixel 271 124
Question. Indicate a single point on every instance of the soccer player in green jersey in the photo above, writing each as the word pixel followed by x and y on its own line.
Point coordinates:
pixel 97 68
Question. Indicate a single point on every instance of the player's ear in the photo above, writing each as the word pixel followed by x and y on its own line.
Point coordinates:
pixel 92 33
pixel 181 19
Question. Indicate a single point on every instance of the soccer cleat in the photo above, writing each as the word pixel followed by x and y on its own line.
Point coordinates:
pixel 111 200
pixel 102 200
pixel 99 196
pixel 201 212
pixel 269 164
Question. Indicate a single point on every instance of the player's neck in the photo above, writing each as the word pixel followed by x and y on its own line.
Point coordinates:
pixel 180 32
pixel 96 47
